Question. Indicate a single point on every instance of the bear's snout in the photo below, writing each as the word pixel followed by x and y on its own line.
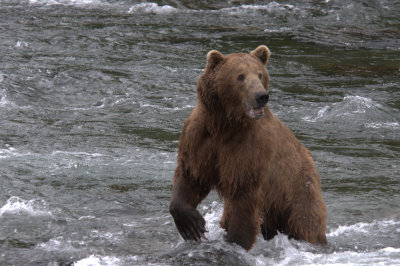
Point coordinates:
pixel 255 102
pixel 262 98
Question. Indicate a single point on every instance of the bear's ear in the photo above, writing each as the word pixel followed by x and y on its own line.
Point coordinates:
pixel 213 59
pixel 262 52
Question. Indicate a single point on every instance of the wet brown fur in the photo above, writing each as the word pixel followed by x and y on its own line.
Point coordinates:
pixel 266 177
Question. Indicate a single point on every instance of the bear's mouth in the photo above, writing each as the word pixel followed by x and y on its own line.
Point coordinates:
pixel 254 112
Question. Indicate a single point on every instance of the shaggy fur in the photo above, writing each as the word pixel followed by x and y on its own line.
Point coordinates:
pixel 232 142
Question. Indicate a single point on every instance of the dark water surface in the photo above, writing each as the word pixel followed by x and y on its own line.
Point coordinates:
pixel 93 95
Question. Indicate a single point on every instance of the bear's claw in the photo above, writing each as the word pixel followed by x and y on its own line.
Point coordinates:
pixel 189 222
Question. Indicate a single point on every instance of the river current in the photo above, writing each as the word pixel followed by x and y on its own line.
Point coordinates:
pixel 93 95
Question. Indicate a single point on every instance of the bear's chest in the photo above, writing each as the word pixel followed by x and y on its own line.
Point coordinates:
pixel 238 155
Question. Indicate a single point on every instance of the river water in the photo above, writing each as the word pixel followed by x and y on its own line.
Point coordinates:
pixel 93 95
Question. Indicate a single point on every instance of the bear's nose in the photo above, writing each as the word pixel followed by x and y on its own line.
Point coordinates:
pixel 262 98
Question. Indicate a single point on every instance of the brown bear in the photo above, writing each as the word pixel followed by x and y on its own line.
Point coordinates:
pixel 232 142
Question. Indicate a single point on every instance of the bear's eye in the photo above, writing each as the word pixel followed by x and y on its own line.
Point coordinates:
pixel 260 76
pixel 241 77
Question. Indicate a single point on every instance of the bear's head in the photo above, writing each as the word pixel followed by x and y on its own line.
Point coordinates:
pixel 235 86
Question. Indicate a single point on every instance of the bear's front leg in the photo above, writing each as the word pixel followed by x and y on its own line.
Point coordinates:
pixel 185 198
pixel 243 223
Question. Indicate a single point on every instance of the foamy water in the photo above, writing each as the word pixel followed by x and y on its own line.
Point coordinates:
pixel 98 261
pixel 17 206
pixel 362 109
pixel 152 8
